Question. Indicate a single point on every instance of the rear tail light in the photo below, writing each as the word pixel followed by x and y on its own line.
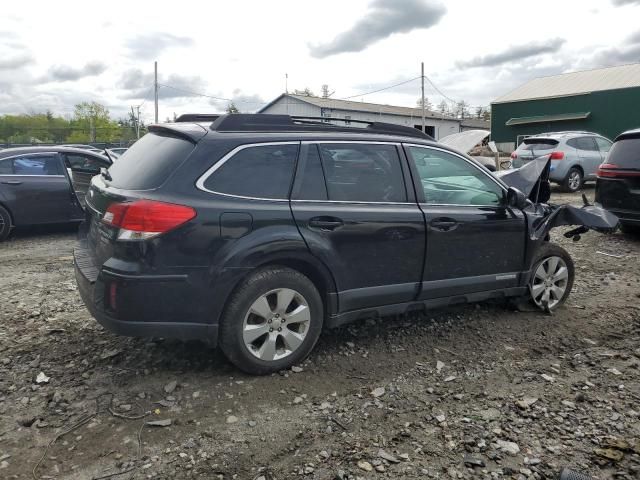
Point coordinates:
pixel 514 155
pixel 611 170
pixel 144 219
pixel 556 155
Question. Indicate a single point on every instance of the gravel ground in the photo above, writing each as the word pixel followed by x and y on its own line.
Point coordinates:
pixel 476 391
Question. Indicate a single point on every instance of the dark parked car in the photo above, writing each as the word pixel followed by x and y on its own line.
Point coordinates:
pixel 618 183
pixel 256 231
pixel 40 185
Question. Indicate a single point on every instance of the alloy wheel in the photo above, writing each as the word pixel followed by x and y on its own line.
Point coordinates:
pixel 549 282
pixel 276 324
pixel 574 180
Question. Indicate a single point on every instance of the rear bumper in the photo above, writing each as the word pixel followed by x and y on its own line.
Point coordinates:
pixel 91 286
pixel 631 217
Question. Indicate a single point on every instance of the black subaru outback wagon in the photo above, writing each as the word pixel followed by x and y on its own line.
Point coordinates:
pixel 256 231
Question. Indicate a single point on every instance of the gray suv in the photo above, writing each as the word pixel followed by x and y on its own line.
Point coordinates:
pixel 575 156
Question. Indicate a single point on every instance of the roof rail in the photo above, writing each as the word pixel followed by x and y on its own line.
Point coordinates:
pixel 264 122
pixel 197 117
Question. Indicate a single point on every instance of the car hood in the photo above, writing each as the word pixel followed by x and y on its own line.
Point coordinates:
pixel 464 141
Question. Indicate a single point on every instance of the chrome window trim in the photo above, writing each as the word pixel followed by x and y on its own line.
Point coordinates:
pixel 486 173
pixel 354 202
pixel 372 142
pixel 34 154
pixel 18 175
pixel 205 176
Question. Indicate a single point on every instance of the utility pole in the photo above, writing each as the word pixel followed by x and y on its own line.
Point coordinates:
pixel 422 80
pixel 155 87
pixel 136 120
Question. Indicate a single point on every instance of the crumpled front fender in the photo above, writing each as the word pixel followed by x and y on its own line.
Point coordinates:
pixel 543 218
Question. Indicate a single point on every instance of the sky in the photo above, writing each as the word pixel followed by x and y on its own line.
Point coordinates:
pixel 56 54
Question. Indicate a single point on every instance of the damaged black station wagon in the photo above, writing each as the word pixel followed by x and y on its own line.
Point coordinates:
pixel 254 232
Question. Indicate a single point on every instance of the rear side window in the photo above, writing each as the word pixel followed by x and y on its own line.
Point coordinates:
pixel 625 153
pixel 263 171
pixel 149 162
pixel 583 143
pixel 83 163
pixel 363 172
pixel 309 184
pixel 603 144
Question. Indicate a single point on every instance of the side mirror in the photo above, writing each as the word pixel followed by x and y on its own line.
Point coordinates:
pixel 516 199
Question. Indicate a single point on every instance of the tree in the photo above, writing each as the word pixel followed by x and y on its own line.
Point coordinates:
pixel 443 108
pixel 462 109
pixel 427 103
pixel 92 123
pixel 231 108
pixel 325 91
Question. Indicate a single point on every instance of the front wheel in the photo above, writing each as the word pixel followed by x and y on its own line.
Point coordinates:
pixel 551 277
pixel 272 321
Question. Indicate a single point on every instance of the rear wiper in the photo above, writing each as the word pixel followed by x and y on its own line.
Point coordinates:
pixel 105 174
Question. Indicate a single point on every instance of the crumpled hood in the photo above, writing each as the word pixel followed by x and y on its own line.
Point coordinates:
pixel 533 180
pixel 526 177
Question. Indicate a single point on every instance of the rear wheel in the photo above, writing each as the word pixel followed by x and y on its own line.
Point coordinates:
pixel 574 180
pixel 5 223
pixel 272 321
pixel 551 277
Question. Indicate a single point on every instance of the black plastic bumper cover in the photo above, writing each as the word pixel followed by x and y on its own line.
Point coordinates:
pixel 92 293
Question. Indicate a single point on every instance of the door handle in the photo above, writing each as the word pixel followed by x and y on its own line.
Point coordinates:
pixel 443 224
pixel 325 223
pixel 11 182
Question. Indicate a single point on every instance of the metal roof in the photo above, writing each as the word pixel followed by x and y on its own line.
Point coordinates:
pixel 336 104
pixel 576 83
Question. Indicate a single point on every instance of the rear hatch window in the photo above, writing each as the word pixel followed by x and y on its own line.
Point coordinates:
pixel 625 154
pixel 538 146
pixel 149 162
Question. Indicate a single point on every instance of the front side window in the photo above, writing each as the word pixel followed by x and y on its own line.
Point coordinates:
pixel 41 165
pixel 447 179
pixel 263 171
pixel 362 172
pixel 6 167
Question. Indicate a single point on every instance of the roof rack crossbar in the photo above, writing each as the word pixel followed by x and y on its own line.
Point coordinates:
pixel 261 122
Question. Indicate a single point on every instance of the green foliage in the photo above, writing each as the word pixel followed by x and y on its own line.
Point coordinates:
pixel 231 108
pixel 91 122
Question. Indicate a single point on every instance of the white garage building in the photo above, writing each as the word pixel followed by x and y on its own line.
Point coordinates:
pixel 437 125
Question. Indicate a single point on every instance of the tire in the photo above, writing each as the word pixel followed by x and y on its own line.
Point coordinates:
pixel 629 229
pixel 573 181
pixel 552 277
pixel 251 340
pixel 5 223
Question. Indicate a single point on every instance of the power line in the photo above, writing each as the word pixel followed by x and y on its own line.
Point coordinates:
pixel 380 89
pixel 191 92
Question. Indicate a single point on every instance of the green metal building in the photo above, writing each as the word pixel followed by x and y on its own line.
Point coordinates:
pixel 604 101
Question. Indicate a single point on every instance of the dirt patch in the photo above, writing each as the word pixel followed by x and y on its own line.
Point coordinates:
pixel 474 391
